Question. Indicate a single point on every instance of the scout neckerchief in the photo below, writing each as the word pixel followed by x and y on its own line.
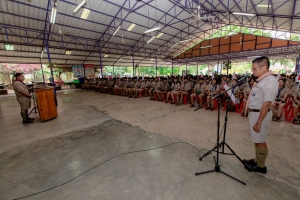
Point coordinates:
pixel 278 94
pixel 254 84
pixel 213 88
pixel 200 87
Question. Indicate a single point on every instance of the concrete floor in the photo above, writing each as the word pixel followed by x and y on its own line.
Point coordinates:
pixel 93 127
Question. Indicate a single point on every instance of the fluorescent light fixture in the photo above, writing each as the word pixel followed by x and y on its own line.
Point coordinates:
pixel 83 3
pixel 9 47
pixel 184 41
pixel 85 13
pixel 159 35
pixel 106 55
pixel 174 45
pixel 53 15
pixel 205 47
pixel 253 57
pixel 68 52
pixel 246 14
pixel 131 27
pixel 151 39
pixel 117 30
pixel 263 6
pixel 153 29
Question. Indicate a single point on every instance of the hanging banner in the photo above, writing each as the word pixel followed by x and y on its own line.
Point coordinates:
pixel 89 70
pixel 78 71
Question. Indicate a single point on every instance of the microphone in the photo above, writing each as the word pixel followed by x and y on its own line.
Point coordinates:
pixel 244 78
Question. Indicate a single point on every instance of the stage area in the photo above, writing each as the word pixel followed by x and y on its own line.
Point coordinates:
pixel 66 153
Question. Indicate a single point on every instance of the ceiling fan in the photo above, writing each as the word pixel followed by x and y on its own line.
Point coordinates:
pixel 123 41
pixel 198 18
pixel 63 34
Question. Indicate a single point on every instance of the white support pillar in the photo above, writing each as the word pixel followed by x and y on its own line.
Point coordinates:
pixel 210 68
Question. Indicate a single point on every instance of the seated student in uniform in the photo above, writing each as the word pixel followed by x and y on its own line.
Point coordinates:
pixel 132 88
pixel 197 90
pixel 205 93
pixel 157 89
pixel 120 86
pixel 174 90
pixel 137 88
pixel 128 86
pixel 236 92
pixel 279 100
pixel 296 104
pixel 152 88
pixel 246 92
pixel 104 81
pixel 213 91
pixel 168 93
pixel 164 88
pixel 146 86
pixel 97 88
pixel 185 89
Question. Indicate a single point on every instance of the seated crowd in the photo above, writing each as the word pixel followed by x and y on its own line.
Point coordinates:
pixel 199 91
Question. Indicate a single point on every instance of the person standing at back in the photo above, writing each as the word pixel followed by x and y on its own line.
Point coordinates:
pixel 261 97
pixel 23 97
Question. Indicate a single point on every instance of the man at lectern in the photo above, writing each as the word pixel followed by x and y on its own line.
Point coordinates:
pixel 23 97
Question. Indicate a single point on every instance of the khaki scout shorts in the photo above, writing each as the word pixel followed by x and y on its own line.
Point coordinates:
pixel 262 136
pixel 25 103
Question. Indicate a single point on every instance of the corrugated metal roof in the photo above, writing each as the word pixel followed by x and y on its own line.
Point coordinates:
pixel 22 24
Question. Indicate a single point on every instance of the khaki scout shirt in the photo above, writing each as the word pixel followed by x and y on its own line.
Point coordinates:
pixel 296 94
pixel 281 92
pixel 247 90
pixel 236 90
pixel 289 84
pixel 164 86
pixel 186 86
pixel 20 87
pixel 175 86
pixel 264 91
pixel 148 84
pixel 294 88
pixel 157 85
pixel 214 88
pixel 142 85
pixel 207 86
pixel 199 87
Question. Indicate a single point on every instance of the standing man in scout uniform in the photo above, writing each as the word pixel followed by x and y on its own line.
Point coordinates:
pixel 261 97
pixel 23 97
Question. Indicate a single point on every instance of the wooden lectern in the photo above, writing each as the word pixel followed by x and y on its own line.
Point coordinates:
pixel 46 103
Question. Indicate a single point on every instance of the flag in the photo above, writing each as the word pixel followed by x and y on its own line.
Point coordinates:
pixel 278 75
pixel 297 79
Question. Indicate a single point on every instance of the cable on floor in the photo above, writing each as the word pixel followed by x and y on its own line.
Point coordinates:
pixel 143 150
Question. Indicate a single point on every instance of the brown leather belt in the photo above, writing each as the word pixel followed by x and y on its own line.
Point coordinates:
pixel 255 110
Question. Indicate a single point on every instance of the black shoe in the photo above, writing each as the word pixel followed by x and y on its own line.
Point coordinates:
pixel 31 119
pixel 27 122
pixel 256 168
pixel 249 162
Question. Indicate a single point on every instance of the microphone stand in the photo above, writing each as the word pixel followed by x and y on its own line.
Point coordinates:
pixel 223 143
pixel 34 101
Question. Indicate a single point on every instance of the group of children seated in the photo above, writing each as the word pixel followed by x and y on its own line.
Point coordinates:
pixel 197 90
